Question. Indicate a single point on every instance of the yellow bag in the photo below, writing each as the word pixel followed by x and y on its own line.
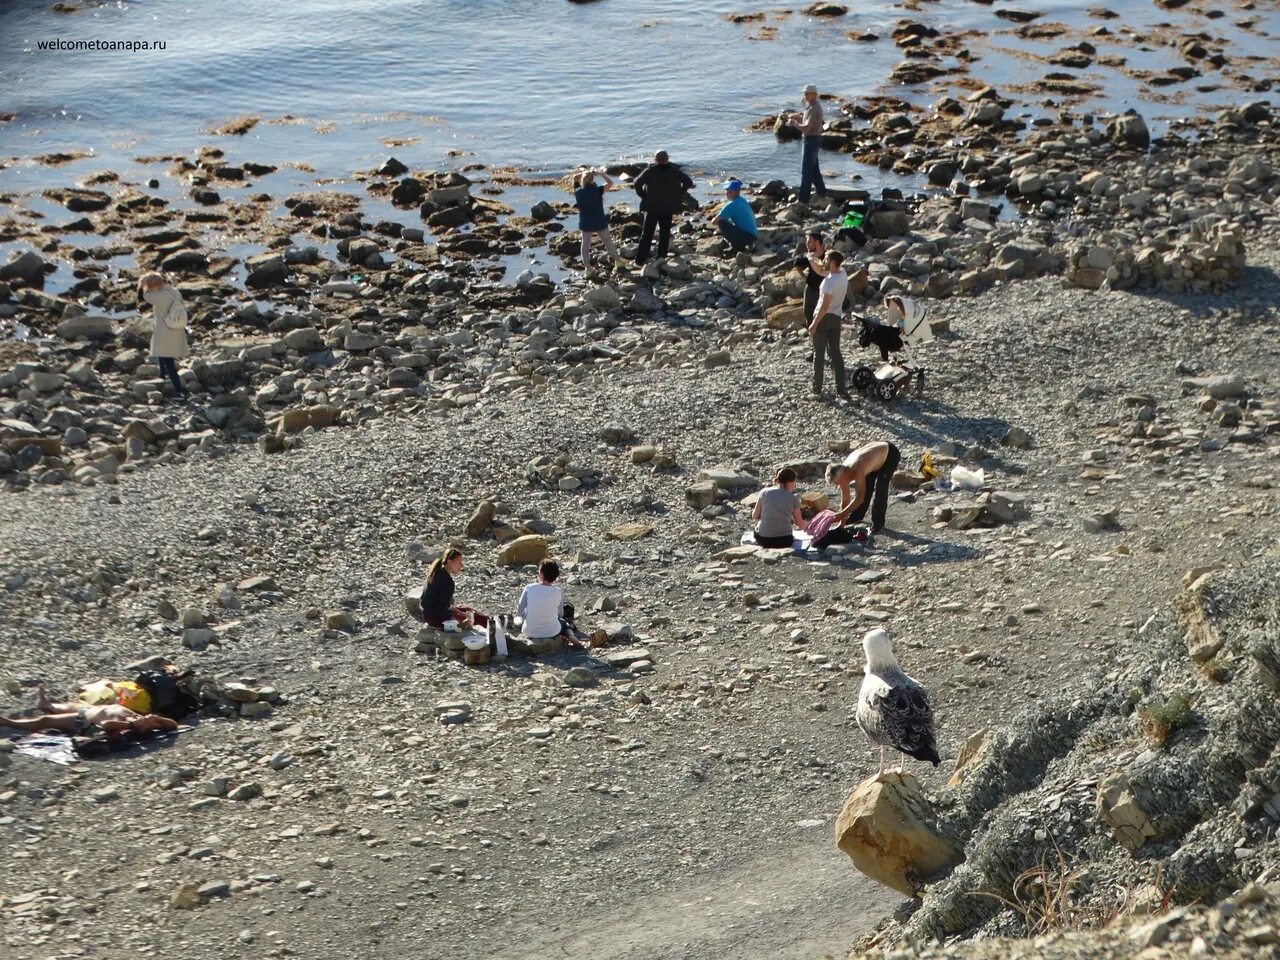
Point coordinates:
pixel 129 694
pixel 98 693
pixel 928 469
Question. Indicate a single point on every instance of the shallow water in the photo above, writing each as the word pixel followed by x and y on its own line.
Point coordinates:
pixel 536 84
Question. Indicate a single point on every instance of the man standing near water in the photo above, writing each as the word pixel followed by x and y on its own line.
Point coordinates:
pixel 662 188
pixel 810 124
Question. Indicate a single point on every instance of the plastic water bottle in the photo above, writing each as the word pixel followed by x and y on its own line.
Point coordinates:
pixel 500 637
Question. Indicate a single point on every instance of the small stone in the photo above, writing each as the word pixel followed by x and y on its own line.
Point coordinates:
pixel 246 791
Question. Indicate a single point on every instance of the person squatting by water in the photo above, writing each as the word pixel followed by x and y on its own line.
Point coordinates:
pixel 736 220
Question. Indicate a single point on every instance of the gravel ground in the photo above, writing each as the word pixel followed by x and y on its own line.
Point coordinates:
pixel 683 812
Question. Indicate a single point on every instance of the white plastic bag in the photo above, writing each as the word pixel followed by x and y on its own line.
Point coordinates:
pixel 967 479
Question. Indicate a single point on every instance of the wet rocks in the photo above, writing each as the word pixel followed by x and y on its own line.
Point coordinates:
pixel 27 268
pixel 1129 130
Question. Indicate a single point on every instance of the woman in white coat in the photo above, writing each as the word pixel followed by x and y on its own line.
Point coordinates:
pixel 169 338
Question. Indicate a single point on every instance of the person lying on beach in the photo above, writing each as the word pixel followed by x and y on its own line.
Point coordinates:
pixel 79 719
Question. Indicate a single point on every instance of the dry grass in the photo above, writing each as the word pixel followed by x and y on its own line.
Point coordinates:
pixel 1215 671
pixel 1055 895
pixel 1162 720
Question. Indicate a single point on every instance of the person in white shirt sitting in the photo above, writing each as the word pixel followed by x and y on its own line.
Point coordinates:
pixel 542 610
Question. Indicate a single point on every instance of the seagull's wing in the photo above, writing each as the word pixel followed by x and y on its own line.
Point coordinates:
pixel 896 711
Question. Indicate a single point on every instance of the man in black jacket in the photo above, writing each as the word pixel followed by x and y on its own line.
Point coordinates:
pixel 662 188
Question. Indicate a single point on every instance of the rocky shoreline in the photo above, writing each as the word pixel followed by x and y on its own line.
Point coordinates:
pixel 410 317
pixel 369 388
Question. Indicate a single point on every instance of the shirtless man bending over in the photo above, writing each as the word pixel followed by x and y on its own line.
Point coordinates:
pixel 864 479
pixel 77 718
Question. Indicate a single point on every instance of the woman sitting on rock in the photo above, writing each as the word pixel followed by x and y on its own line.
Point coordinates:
pixel 169 337
pixel 437 595
pixel 777 512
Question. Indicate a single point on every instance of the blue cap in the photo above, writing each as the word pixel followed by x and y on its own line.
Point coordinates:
pixel 733 185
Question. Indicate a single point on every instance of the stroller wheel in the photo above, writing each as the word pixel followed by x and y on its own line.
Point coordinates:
pixel 886 390
pixel 862 377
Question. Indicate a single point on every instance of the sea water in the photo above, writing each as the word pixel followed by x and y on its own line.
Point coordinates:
pixel 543 84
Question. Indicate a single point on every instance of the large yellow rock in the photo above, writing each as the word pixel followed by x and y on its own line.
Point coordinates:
pixel 969 755
pixel 299 418
pixel 814 500
pixel 527 549
pixel 787 314
pixel 886 828
pixel 1120 806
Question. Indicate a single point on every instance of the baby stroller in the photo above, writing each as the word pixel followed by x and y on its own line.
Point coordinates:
pixel 893 376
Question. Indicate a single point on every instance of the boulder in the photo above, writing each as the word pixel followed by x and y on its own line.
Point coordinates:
pixel 887 828
pixel 602 298
pixel 616 433
pixel 628 531
pixel 1130 130
pixel 300 418
pixel 814 500
pixel 727 478
pixel 787 314
pixel 266 270
pixel 480 521
pixel 27 267
pixel 1007 507
pixel 969 756
pixel 84 327
pixel 1016 437
pixel 1224 386
pixel 523 550
pixel 1120 806
pixel 701 494
pixel 1101 521
pixel 883 224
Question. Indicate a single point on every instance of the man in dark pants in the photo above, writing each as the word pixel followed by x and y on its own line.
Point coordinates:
pixel 824 326
pixel 814 264
pixel 810 124
pixel 864 480
pixel 662 188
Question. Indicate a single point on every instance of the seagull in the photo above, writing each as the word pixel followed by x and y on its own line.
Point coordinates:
pixel 894 710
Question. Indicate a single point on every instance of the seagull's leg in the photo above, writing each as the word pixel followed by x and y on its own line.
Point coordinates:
pixel 880 772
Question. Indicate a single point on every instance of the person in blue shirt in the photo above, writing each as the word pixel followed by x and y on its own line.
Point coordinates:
pixel 736 221
pixel 592 221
